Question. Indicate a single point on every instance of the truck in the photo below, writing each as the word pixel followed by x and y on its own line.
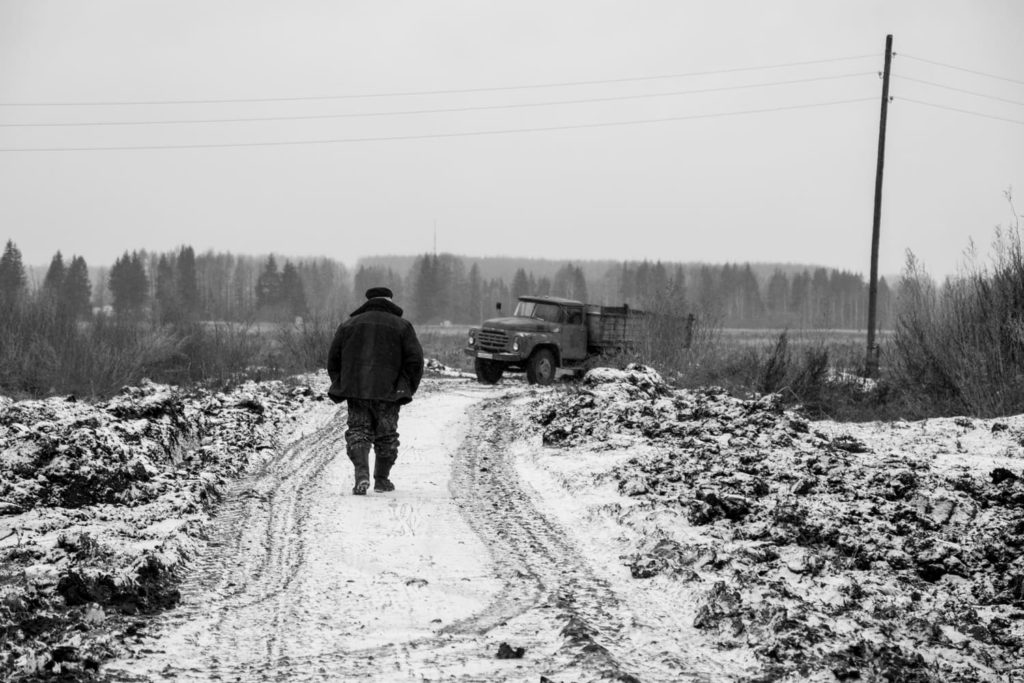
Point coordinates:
pixel 546 336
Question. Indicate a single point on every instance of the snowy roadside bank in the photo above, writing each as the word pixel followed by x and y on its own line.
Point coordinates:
pixel 102 505
pixel 780 549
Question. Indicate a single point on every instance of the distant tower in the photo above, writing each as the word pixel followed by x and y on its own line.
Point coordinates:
pixel 435 237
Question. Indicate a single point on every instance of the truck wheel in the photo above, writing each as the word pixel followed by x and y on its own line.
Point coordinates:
pixel 487 372
pixel 540 369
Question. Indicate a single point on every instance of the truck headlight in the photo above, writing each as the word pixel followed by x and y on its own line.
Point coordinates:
pixel 472 338
pixel 515 344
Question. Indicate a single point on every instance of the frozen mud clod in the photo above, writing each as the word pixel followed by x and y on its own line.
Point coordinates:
pixel 506 651
pixel 100 504
pixel 817 550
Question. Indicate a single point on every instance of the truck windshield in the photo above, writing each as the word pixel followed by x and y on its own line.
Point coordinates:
pixel 534 309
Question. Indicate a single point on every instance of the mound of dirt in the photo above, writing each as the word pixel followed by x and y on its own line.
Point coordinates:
pixel 806 544
pixel 101 504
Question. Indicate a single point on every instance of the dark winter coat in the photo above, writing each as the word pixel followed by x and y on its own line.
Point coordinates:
pixel 375 355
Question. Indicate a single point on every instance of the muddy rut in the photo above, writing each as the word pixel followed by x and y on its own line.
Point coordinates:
pixel 302 581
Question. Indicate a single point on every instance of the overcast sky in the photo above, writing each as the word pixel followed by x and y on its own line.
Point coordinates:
pixel 680 175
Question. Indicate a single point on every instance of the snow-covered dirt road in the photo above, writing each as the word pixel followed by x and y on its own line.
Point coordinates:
pixel 304 581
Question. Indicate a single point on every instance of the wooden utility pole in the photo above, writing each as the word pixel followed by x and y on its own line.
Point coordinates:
pixel 871 362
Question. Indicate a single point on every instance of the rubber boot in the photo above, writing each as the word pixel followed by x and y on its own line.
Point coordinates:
pixel 382 464
pixel 360 457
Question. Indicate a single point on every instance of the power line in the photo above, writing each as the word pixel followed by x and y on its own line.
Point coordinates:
pixel 395 138
pixel 960 68
pixel 963 111
pixel 589 100
pixel 452 91
pixel 969 92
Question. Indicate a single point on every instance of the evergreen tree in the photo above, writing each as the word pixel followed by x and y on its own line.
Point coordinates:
pixel 708 297
pixel 474 310
pixel 820 309
pixel 53 283
pixel 520 284
pixel 397 283
pixel 128 284
pixel 751 306
pixel 569 282
pixel 13 283
pixel 451 283
pixel 460 290
pixel 659 282
pixel 293 294
pixel 268 287
pixel 800 297
pixel 543 286
pixel 428 290
pixel 677 291
pixel 77 291
pixel 140 280
pixel 187 283
pixel 777 297
pixel 365 278
pixel 167 301
pixel 119 283
pixel 579 285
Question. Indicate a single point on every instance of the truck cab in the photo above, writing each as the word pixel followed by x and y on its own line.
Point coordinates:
pixel 542 335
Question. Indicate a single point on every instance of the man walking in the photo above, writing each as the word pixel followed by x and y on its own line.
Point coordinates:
pixel 375 363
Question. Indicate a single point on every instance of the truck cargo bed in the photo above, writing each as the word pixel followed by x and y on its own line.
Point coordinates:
pixel 613 327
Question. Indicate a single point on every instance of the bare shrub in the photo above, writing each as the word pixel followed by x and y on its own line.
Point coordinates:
pixel 797 371
pixel 216 352
pixel 28 342
pixel 776 366
pixel 678 340
pixel 959 347
pixel 809 381
pixel 303 345
pixel 44 351
pixel 108 354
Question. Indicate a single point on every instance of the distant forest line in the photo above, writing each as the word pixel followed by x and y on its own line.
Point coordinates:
pixel 435 288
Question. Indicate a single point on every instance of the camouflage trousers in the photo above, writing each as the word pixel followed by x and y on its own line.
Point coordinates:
pixel 373 423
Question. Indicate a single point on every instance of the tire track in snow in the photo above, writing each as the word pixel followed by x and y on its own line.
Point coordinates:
pixel 535 555
pixel 254 554
pixel 248 597
pixel 253 611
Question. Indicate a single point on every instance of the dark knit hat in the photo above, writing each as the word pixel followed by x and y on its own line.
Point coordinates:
pixel 374 292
